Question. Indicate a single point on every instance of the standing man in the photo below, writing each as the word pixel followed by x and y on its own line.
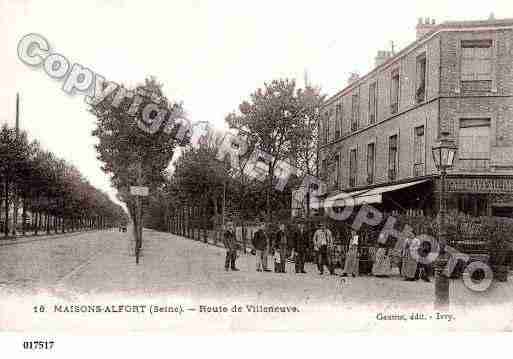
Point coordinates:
pixel 259 242
pixel 300 247
pixel 231 247
pixel 322 240
pixel 271 242
pixel 281 239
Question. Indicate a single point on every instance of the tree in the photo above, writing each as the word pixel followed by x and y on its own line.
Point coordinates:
pixel 201 178
pixel 133 156
pixel 281 121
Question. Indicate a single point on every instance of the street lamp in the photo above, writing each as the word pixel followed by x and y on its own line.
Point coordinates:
pixel 443 155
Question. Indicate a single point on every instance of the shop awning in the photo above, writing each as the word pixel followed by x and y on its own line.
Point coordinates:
pixel 368 196
pixel 343 199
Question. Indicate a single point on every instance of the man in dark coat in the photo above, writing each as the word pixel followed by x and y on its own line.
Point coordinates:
pixel 300 247
pixel 231 247
pixel 259 242
pixel 281 244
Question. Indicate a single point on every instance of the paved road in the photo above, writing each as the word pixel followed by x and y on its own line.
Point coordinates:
pixel 31 265
pixel 99 263
pixel 96 268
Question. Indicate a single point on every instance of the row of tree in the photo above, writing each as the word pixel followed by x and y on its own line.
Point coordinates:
pixel 280 120
pixel 50 194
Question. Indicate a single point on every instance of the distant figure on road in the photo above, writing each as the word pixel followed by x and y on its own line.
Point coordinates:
pixel 231 247
pixel 259 242
pixel 323 242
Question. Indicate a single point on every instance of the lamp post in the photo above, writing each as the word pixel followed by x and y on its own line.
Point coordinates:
pixel 443 155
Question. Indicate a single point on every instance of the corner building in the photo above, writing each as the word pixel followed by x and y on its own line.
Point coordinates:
pixel 376 135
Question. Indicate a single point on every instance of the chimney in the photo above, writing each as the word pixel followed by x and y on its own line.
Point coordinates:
pixel 425 26
pixel 382 57
pixel 353 76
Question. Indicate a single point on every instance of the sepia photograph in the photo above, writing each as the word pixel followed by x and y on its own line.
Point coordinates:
pixel 225 167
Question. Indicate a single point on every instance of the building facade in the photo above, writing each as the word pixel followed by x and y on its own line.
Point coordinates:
pixel 376 135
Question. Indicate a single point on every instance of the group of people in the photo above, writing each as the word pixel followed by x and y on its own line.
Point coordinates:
pixel 293 243
pixel 282 246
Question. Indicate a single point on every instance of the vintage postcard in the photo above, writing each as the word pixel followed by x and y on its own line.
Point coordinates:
pixel 200 167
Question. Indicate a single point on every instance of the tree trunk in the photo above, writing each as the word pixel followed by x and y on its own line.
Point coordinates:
pixel 24 215
pixel 268 195
pixel 15 211
pixel 6 198
pixel 47 222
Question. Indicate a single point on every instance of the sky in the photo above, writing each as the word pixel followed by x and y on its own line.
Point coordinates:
pixel 208 54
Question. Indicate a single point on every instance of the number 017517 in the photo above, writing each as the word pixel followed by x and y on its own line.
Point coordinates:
pixel 38 345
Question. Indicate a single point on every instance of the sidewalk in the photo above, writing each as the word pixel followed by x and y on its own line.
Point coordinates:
pixel 32 238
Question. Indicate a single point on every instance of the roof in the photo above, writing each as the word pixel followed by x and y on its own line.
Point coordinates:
pixel 445 26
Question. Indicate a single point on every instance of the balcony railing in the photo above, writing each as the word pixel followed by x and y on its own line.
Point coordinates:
pixel 473 164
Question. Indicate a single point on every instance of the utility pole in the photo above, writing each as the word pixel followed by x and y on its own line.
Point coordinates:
pixel 15 189
pixel 138 243
pixel 224 203
pixel 17 114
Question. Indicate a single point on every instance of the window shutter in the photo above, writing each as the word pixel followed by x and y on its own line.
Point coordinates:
pixel 484 59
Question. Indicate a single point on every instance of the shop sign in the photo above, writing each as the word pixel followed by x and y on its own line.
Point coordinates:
pixel 480 185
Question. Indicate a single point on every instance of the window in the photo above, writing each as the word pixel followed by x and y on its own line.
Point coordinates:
pixel 355 111
pixel 476 60
pixel 352 168
pixel 371 154
pixel 420 93
pixel 330 129
pixel 392 157
pixel 394 92
pixel 419 149
pixel 326 126
pixel 324 168
pixel 341 117
pixel 373 103
pixel 337 170
pixel 474 138
pixel 338 121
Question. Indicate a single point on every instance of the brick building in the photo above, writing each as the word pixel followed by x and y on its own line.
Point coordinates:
pixel 376 134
